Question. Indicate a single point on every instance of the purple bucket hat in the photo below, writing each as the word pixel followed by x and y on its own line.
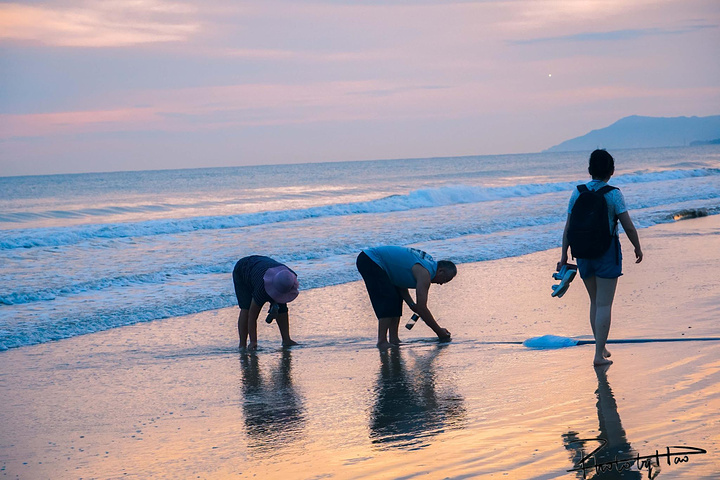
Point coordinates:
pixel 281 284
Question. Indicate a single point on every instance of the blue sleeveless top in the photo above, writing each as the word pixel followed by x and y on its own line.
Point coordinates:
pixel 397 262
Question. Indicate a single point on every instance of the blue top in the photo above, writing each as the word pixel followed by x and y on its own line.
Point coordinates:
pixel 398 262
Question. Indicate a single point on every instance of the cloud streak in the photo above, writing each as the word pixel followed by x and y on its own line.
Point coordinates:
pixel 232 108
pixel 236 106
pixel 99 23
pixel 614 35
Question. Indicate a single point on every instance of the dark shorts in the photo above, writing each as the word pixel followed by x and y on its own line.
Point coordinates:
pixel 243 292
pixel 609 265
pixel 384 296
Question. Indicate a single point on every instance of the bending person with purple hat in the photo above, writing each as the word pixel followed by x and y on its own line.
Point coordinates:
pixel 259 280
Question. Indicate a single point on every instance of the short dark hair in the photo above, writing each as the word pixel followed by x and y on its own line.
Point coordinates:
pixel 447 265
pixel 601 165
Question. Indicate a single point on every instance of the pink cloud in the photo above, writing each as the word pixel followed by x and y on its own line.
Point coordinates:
pixel 236 106
pixel 73 122
pixel 98 23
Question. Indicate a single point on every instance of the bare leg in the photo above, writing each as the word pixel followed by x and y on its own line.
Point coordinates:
pixel 283 324
pixel 591 286
pixel 602 293
pixel 252 332
pixel 393 331
pixel 384 325
pixel 603 315
pixel 243 328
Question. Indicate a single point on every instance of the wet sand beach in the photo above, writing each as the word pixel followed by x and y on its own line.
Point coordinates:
pixel 175 398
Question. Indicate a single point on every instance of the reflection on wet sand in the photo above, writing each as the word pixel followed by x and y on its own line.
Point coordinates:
pixel 611 430
pixel 273 411
pixel 408 409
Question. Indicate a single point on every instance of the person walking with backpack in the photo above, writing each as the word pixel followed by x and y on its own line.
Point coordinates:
pixel 591 233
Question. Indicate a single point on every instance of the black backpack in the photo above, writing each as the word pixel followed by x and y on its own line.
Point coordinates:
pixel 589 233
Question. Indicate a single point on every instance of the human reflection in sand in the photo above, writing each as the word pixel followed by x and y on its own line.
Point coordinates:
pixel 273 411
pixel 611 430
pixel 408 408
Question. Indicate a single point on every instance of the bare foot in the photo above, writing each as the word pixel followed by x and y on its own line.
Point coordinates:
pixel 289 343
pixel 602 361
pixel 242 346
pixel 395 341
pixel 384 345
pixel 252 346
pixel 606 353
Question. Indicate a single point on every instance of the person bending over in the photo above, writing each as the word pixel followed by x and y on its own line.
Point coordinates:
pixel 599 271
pixel 259 280
pixel 388 273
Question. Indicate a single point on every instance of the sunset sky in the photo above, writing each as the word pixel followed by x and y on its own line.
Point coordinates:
pixel 151 84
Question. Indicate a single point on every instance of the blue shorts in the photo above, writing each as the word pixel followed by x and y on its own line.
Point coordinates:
pixel 609 265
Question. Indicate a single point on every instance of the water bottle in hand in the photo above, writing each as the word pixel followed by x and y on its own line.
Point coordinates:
pixel 413 320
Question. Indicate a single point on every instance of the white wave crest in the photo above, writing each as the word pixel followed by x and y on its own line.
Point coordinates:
pixel 416 199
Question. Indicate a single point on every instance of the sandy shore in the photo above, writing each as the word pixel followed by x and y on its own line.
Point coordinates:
pixel 174 398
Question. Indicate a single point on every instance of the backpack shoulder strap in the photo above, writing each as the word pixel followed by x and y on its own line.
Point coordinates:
pixel 603 191
pixel 606 189
pixel 582 188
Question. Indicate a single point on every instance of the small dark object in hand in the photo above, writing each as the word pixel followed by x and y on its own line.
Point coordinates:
pixel 272 312
pixel 413 320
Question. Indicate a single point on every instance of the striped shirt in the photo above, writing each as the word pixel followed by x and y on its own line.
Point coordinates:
pixel 250 271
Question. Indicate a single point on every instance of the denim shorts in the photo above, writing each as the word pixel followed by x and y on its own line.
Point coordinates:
pixel 609 265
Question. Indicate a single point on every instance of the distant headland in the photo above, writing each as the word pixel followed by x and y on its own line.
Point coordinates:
pixel 647 132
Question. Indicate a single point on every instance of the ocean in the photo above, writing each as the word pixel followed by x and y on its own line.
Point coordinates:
pixel 88 252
